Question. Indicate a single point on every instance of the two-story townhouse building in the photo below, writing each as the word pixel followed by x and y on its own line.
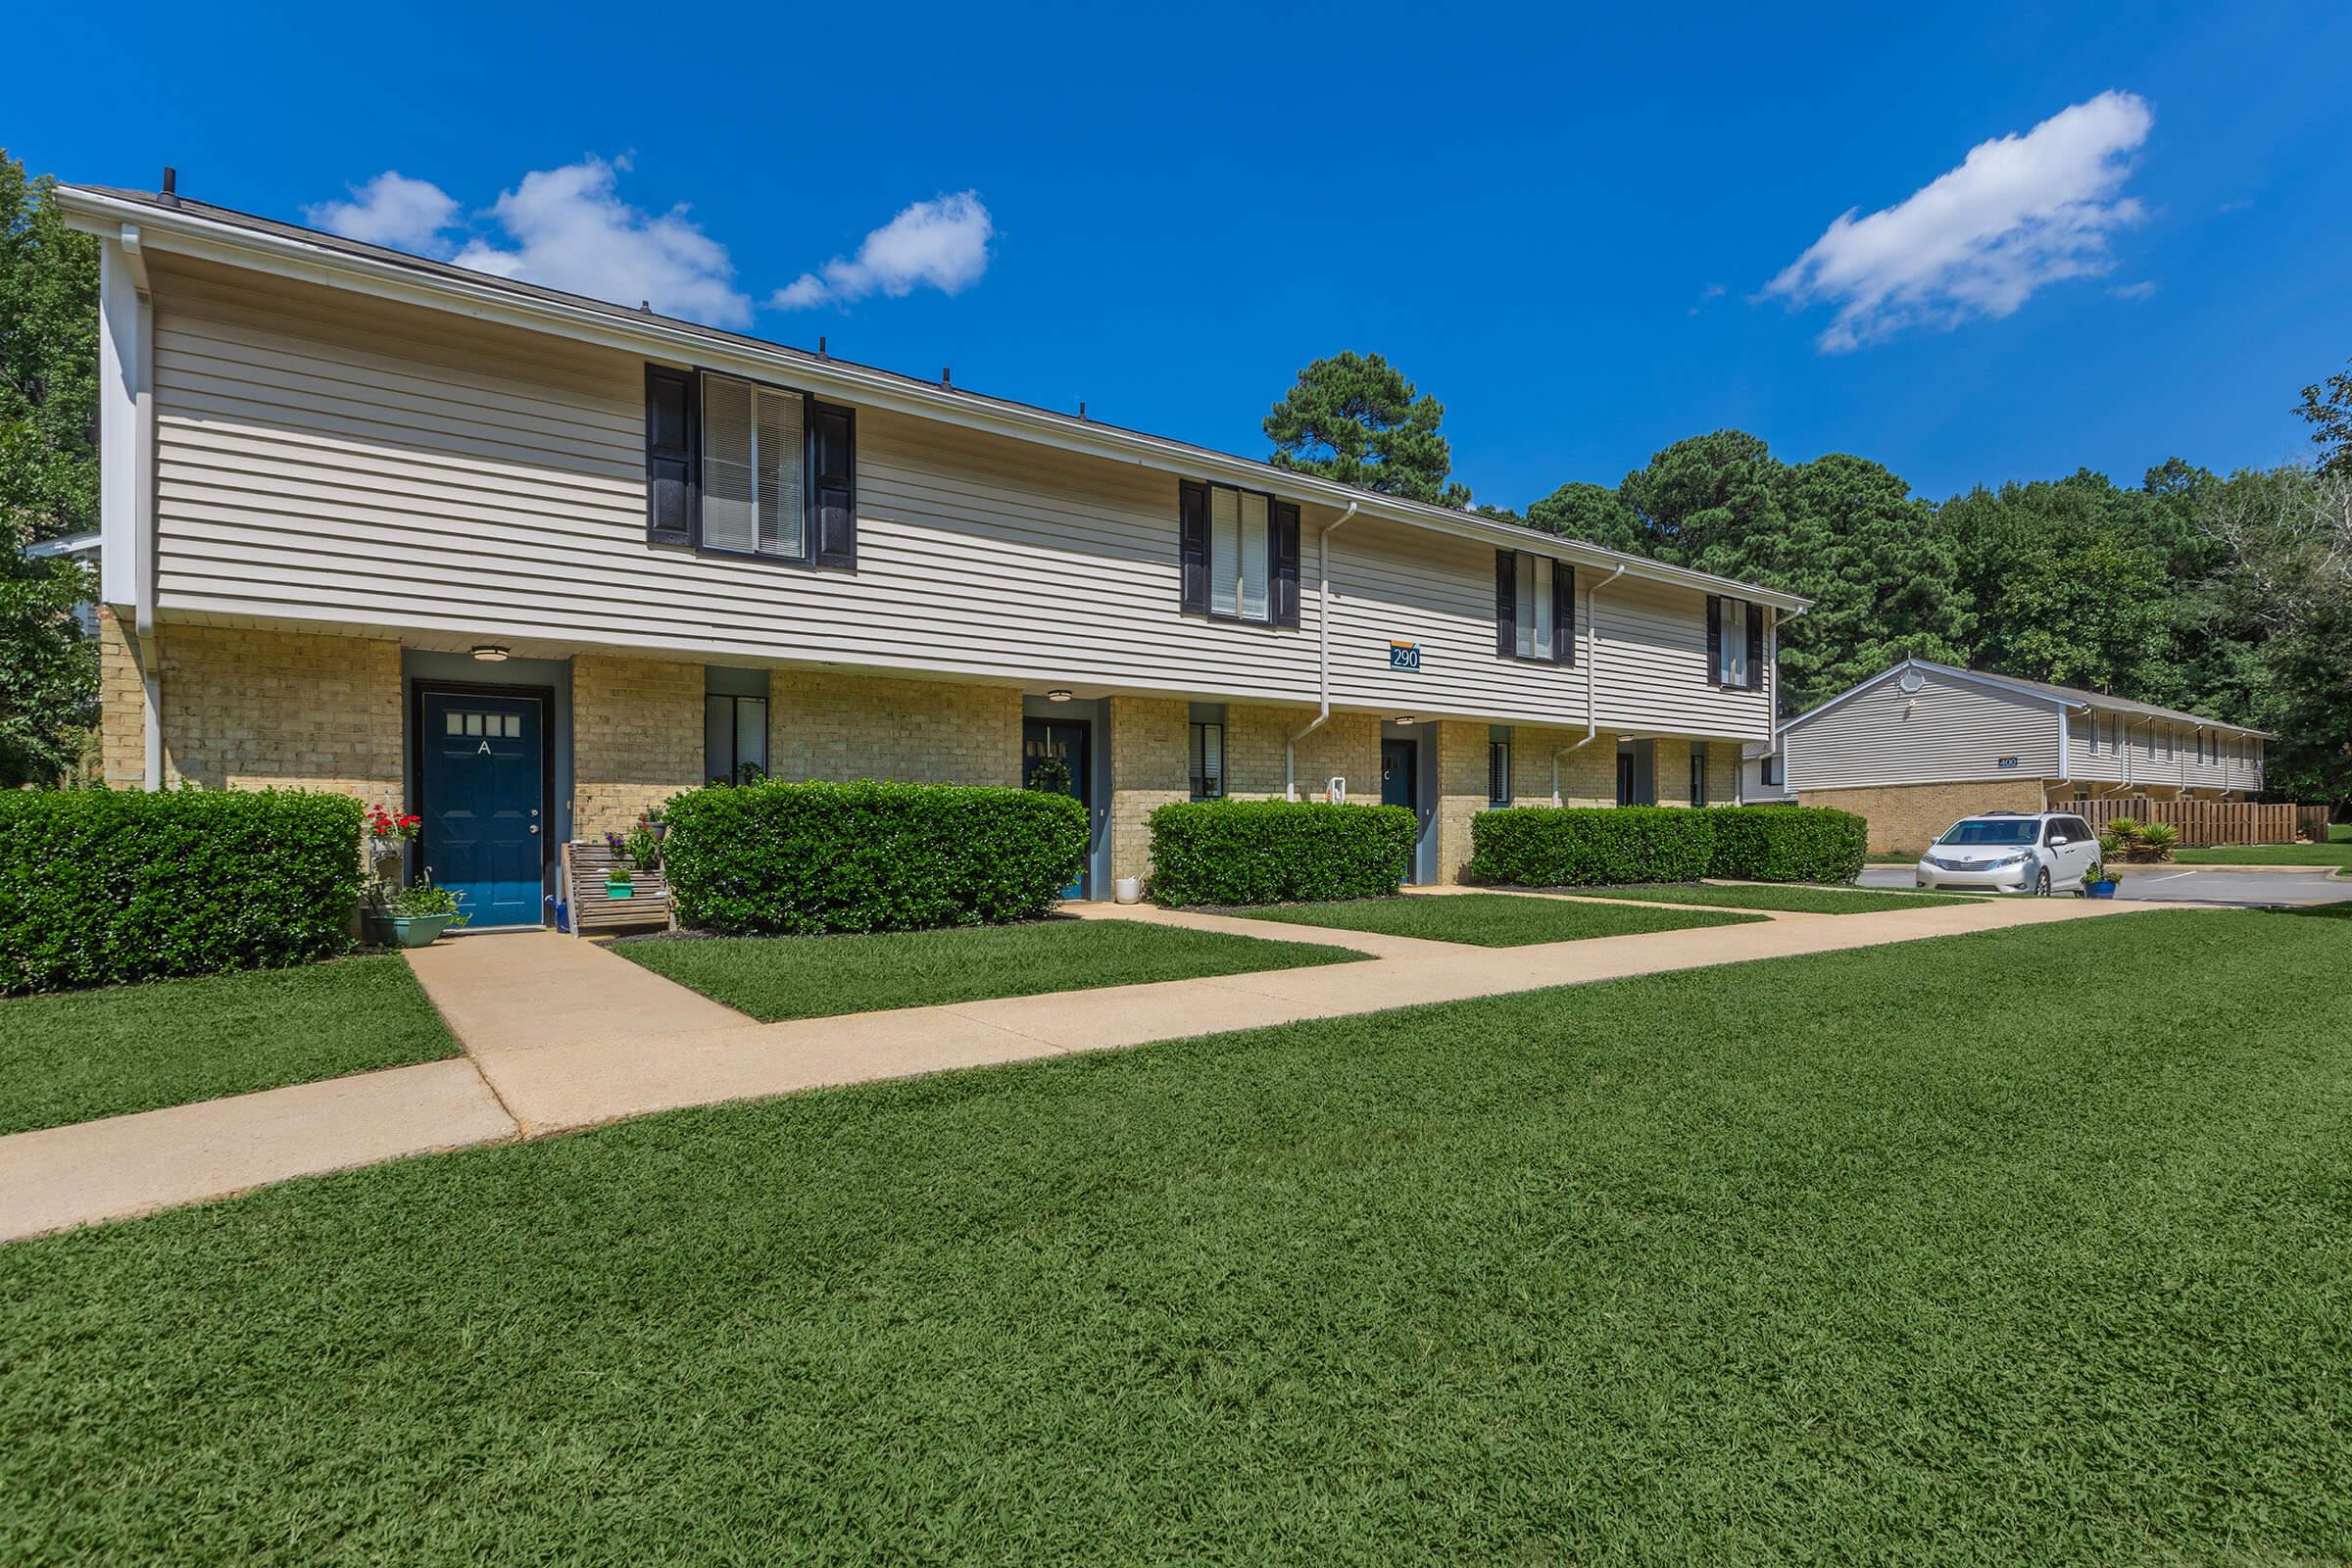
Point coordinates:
pixel 531 562
pixel 1920 745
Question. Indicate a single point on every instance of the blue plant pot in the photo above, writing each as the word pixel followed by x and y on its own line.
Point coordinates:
pixel 2100 890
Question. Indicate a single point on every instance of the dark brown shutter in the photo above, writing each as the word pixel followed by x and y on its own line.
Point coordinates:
pixel 1192 546
pixel 832 484
pixel 1506 601
pixel 1282 540
pixel 1755 647
pixel 672 487
pixel 1563 613
pixel 1714 639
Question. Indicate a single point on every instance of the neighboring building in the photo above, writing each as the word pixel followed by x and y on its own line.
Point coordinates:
pixel 1923 745
pixel 532 563
pixel 81 547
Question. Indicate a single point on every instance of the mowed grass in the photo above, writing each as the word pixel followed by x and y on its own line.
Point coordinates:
pixel 1761 1263
pixel 773 978
pixel 1486 919
pixel 81 1055
pixel 1795 899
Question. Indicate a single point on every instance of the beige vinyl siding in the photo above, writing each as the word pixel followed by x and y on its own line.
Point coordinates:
pixel 1954 731
pixel 328 460
pixel 2150 768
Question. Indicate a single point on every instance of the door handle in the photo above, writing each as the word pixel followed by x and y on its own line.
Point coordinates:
pixel 534 828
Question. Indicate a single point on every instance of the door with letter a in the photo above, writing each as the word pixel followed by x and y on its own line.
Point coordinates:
pixel 482 793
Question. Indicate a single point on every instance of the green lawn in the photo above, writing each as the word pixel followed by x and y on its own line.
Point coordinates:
pixel 1486 919
pixel 1803 899
pixel 81 1055
pixel 773 978
pixel 1760 1263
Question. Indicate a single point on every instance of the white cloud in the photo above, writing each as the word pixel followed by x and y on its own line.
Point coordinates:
pixel 391 210
pixel 567 228
pixel 2019 212
pixel 942 243
pixel 2135 292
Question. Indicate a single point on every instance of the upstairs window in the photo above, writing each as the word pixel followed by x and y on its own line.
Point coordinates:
pixel 1238 551
pixel 1535 608
pixel 740 467
pixel 1735 644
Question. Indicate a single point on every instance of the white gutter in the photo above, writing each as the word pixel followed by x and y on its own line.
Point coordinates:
pixel 126 464
pixel 1289 748
pixel 485 298
pixel 1592 656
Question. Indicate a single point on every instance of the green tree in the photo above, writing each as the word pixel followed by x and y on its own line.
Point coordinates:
pixel 1355 418
pixel 1699 502
pixel 48 476
pixel 2327 406
pixel 1593 513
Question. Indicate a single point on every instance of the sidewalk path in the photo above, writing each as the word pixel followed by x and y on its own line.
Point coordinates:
pixel 561 1035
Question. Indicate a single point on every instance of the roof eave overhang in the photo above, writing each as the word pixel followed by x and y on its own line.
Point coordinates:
pixel 194 234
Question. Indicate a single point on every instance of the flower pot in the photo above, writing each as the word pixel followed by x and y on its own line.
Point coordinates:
pixel 2099 890
pixel 620 890
pixel 1128 890
pixel 406 930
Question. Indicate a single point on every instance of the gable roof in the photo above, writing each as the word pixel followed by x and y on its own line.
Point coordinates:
pixel 2059 695
pixel 224 235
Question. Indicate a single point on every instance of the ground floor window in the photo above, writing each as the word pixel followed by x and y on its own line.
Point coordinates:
pixel 1498 773
pixel 734 738
pixel 1768 771
pixel 1699 772
pixel 1636 773
pixel 1208 760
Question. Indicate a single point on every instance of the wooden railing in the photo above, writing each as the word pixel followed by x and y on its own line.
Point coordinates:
pixel 2202 822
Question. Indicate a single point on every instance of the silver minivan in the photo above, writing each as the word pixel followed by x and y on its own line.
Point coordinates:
pixel 2012 852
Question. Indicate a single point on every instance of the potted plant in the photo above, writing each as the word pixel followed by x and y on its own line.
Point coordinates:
pixel 412 917
pixel 620 877
pixel 2100 880
pixel 643 844
pixel 388 833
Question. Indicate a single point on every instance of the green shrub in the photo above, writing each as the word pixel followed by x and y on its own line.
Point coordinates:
pixel 1567 846
pixel 1788 844
pixel 1277 851
pixel 99 887
pixel 808 858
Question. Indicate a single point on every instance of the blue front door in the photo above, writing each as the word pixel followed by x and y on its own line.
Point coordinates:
pixel 1065 740
pixel 485 822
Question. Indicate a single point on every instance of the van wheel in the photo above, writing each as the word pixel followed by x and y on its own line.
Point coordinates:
pixel 2041 883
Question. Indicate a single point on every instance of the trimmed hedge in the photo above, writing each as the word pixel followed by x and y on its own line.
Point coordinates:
pixel 1568 847
pixel 809 858
pixel 1277 851
pixel 101 887
pixel 1612 846
pixel 1788 844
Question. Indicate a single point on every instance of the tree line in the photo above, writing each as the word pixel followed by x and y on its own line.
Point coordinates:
pixel 2228 595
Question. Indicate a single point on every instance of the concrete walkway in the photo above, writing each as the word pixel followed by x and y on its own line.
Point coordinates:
pixel 561 1035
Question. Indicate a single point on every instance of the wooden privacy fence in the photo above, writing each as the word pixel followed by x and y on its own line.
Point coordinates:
pixel 2203 822
pixel 2311 822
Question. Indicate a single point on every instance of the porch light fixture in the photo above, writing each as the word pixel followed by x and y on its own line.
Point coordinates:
pixel 1059 694
pixel 1403 719
pixel 490 652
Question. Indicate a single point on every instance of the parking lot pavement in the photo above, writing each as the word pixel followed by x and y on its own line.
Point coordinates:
pixel 2186 884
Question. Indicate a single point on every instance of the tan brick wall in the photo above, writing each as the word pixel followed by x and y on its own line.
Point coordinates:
pixel 1348 746
pixel 1672 758
pixel 1904 818
pixel 1588 773
pixel 260 709
pixel 1462 789
pixel 1723 772
pixel 122 706
pixel 636 738
pixel 1151 766
pixel 842 726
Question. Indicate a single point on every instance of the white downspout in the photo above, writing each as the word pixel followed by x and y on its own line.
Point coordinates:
pixel 1289 748
pixel 126 468
pixel 1592 656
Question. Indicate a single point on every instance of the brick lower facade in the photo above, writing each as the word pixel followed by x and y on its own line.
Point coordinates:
pixel 636 738
pixel 1345 746
pixel 1904 818
pixel 842 726
pixel 1151 766
pixel 247 709
pixel 1463 791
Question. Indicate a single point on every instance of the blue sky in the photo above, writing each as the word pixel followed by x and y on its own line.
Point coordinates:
pixel 1566 224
